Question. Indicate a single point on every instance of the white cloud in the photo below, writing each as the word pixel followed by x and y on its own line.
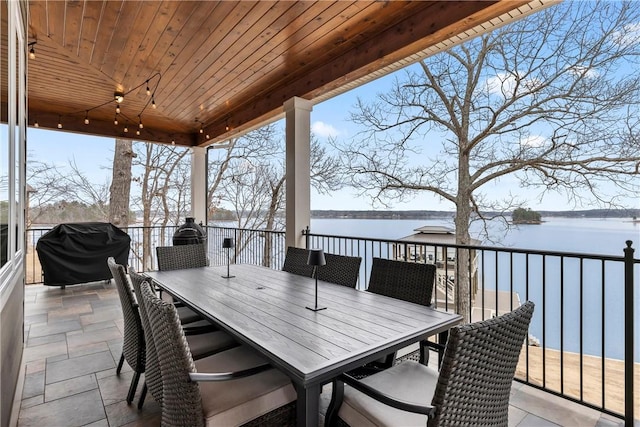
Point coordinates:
pixel 505 84
pixel 324 130
pixel 588 72
pixel 533 141
pixel 629 35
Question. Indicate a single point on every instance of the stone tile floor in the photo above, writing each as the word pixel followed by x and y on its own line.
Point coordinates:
pixel 73 343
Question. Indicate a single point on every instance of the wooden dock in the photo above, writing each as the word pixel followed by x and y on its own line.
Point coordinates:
pixel 592 378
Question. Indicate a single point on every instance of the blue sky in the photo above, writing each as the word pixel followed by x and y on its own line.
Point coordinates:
pixel 94 156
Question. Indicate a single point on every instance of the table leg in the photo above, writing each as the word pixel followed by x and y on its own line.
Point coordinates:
pixel 307 409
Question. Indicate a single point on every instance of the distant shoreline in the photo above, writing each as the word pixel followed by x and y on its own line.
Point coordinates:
pixel 628 214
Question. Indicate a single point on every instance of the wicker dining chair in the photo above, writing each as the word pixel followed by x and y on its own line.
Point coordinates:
pixel 179 257
pixel 201 342
pixel 340 269
pixel 133 346
pixel 408 281
pixel 472 388
pixel 295 261
pixel 245 391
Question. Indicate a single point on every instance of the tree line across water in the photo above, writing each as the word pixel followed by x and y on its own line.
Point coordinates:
pixel 78 212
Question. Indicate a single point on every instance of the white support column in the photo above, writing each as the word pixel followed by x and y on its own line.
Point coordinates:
pixel 198 184
pixel 298 134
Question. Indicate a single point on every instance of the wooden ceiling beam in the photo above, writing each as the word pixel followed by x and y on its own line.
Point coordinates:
pixel 48 120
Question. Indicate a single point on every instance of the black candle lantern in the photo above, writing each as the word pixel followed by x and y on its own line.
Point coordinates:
pixel 227 244
pixel 316 258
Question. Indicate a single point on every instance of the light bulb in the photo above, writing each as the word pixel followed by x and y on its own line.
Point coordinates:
pixel 153 104
pixel 148 90
pixel 59 125
pixel 86 121
pixel 201 130
pixel 115 121
pixel 141 125
pixel 137 132
pixel 36 124
pixel 126 129
pixel 117 109
pixel 32 53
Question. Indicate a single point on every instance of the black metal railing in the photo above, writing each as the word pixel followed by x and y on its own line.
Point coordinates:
pixel 581 343
pixel 251 247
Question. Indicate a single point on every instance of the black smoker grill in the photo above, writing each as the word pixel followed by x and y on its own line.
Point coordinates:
pixel 77 253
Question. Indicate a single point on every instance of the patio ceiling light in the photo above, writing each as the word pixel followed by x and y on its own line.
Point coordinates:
pixel 32 52
pixel 118 96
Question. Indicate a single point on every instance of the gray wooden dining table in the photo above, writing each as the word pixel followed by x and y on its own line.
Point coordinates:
pixel 265 309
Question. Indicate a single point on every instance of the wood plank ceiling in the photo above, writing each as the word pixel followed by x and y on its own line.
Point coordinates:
pixel 221 66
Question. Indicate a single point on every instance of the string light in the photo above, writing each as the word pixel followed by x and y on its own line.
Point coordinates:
pixel 32 51
pixel 138 132
pixel 118 97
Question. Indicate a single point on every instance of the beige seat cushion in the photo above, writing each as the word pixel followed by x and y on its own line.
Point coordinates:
pixel 408 381
pixel 235 402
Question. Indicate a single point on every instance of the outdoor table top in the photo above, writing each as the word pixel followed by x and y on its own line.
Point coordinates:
pixel 265 308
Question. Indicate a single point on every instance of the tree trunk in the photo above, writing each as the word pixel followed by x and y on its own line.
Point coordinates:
pixel 276 195
pixel 463 216
pixel 120 183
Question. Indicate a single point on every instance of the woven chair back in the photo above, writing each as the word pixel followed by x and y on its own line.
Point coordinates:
pixel 478 369
pixel 152 375
pixel 408 281
pixel 133 345
pixel 296 262
pixel 181 256
pixel 340 269
pixel 181 400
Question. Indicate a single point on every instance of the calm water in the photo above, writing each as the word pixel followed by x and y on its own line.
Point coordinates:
pixel 597 236
pixel 592 236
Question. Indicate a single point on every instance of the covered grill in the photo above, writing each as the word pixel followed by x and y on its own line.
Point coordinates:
pixel 75 253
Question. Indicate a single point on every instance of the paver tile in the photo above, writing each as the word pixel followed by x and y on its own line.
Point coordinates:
pixel 76 410
pixel 78 366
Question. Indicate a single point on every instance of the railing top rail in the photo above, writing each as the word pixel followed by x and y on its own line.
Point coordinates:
pixel 479 247
pixel 257 230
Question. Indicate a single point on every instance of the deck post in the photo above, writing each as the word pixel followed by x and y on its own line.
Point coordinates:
pixel 298 165
pixel 628 335
pixel 199 184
